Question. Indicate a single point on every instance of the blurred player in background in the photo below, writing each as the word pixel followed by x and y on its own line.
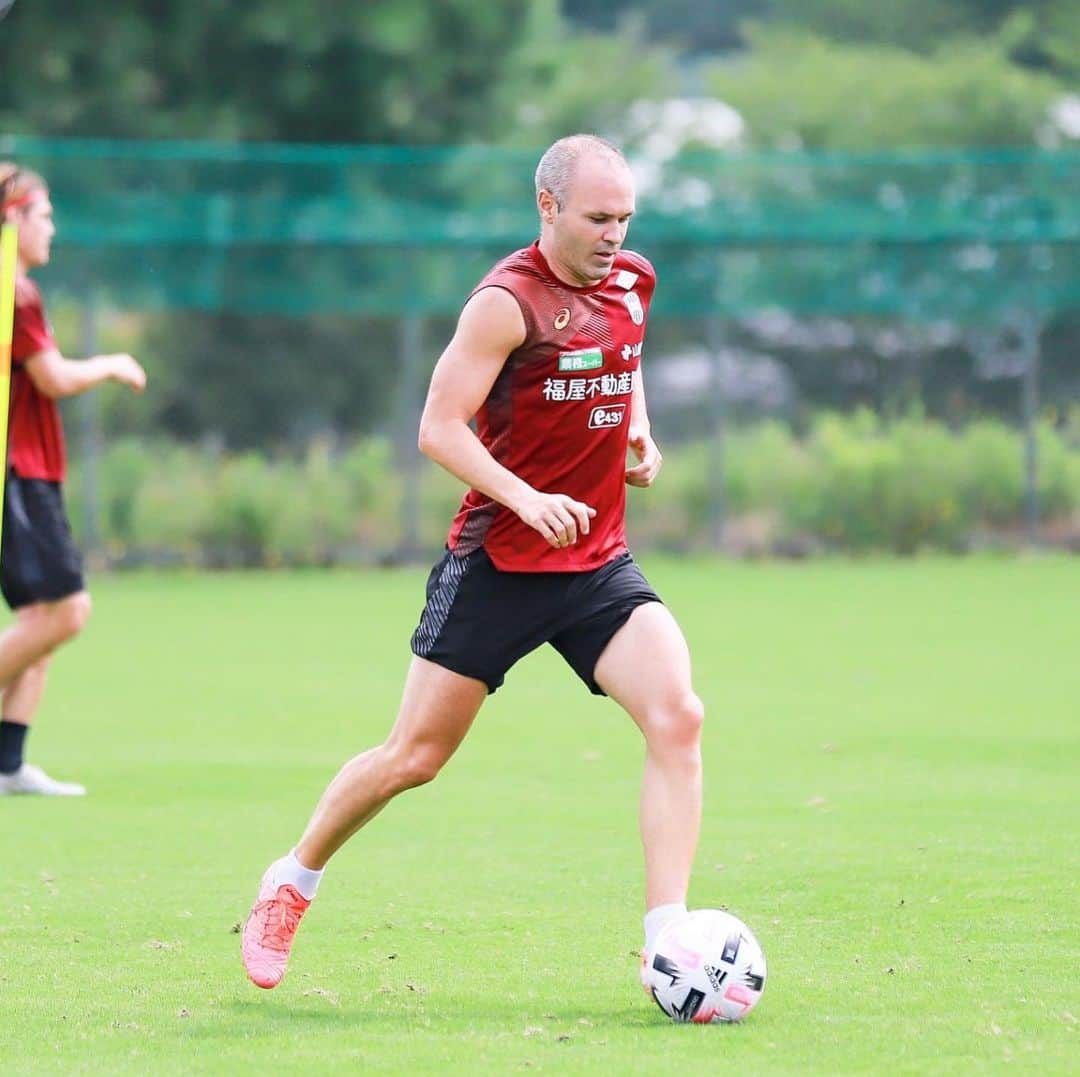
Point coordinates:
pixel 40 569
pixel 546 358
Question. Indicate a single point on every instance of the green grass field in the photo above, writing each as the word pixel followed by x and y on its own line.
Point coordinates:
pixel 892 803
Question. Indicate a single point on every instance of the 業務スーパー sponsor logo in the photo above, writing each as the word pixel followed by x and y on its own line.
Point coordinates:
pixel 585 359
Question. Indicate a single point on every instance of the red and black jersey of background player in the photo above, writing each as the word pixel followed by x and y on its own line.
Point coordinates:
pixel 559 412
pixel 35 435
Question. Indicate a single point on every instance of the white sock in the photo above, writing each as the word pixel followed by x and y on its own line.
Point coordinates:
pixel 289 871
pixel 657 917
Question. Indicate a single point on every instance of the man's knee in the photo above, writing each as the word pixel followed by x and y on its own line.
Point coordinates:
pixel 70 615
pixel 677 722
pixel 414 765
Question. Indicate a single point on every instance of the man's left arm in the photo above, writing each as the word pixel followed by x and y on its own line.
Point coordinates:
pixel 644 472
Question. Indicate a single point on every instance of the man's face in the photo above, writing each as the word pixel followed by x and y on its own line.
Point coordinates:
pixel 36 230
pixel 588 230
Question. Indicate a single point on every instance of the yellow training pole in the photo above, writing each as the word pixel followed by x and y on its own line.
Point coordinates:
pixel 9 250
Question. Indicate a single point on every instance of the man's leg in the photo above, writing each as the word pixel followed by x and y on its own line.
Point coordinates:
pixel 646 669
pixel 38 630
pixel 23 695
pixel 437 709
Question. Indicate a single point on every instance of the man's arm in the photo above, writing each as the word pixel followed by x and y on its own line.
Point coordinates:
pixel 641 442
pixel 56 376
pixel 491 326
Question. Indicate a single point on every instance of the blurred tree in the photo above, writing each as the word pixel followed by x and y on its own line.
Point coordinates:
pixel 1044 33
pixel 389 71
pixel 1038 33
pixel 689 26
pixel 796 89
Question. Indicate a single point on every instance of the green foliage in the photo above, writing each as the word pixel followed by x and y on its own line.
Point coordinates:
pixel 881 489
pixel 993 472
pixel 126 475
pixel 768 468
pixel 366 470
pixel 560 81
pixel 915 24
pixel 247 500
pixel 388 71
pixel 853 483
pixel 316 519
pixel 795 88
pixel 688 25
pixel 173 506
pixel 258 382
pixel 1040 35
pixel 679 518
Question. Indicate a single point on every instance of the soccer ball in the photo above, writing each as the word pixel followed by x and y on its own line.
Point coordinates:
pixel 705 967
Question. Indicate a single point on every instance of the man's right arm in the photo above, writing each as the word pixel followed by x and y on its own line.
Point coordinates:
pixel 491 326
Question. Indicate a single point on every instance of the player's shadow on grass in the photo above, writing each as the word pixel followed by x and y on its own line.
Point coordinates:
pixel 262 1014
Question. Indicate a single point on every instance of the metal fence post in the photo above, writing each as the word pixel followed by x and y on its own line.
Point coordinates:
pixel 89 411
pixel 1028 330
pixel 717 421
pixel 410 339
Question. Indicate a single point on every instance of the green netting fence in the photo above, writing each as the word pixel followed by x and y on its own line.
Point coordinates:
pixel 298 229
pixel 982 242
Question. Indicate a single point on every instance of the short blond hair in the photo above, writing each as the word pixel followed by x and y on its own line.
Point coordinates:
pixel 557 166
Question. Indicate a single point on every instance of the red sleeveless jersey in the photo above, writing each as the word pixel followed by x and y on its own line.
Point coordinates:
pixel 35 435
pixel 559 411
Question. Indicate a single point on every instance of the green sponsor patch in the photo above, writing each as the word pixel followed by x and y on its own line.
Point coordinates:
pixel 586 359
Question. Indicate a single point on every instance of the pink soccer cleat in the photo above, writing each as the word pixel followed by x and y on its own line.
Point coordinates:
pixel 270 930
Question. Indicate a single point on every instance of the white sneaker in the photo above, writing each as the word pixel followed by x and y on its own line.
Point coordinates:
pixel 31 779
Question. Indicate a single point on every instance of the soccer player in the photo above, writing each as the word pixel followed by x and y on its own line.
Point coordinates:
pixel 546 358
pixel 40 569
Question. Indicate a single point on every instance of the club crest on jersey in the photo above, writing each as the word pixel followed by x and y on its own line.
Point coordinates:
pixel 585 359
pixel 633 305
pixel 562 318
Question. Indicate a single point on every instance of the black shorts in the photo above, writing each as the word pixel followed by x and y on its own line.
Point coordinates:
pixel 479 621
pixel 38 558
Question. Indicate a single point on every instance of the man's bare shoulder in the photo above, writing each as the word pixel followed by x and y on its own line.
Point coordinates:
pixel 493 313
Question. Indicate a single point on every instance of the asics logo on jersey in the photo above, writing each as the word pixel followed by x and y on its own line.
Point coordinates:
pixel 562 318
pixel 605 417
